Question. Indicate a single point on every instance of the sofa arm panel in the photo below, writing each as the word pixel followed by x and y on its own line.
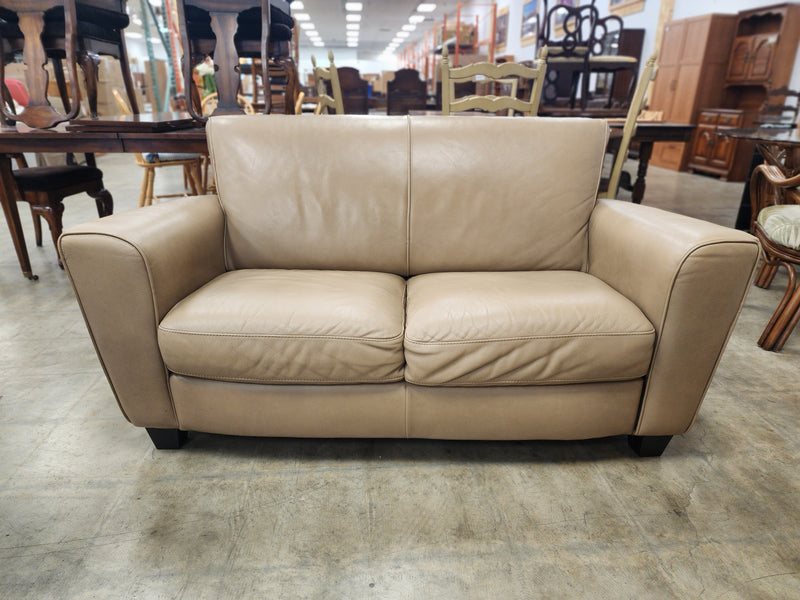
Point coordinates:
pixel 128 270
pixel 690 278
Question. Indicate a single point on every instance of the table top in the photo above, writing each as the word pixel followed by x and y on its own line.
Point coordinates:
pixel 765 135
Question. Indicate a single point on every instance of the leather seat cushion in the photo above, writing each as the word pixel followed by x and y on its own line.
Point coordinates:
pixel 522 328
pixel 43 179
pixel 285 326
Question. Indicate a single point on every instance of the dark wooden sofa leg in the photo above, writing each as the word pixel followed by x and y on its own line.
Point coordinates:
pixel 649 445
pixel 167 439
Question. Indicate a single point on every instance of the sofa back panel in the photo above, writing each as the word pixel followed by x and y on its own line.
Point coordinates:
pixel 313 193
pixel 502 193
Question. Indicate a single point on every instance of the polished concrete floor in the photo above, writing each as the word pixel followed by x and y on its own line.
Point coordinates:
pixel 88 509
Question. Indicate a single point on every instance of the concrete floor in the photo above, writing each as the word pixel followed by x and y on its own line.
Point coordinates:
pixel 88 509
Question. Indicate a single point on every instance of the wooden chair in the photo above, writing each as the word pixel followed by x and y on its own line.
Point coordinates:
pixel 45 188
pixel 405 92
pixel 776 197
pixel 325 101
pixel 503 73
pixel 354 91
pixel 190 163
pixel 79 32
pixel 636 105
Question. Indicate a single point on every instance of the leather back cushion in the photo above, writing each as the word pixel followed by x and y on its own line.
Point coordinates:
pixel 406 195
pixel 502 194
pixel 305 192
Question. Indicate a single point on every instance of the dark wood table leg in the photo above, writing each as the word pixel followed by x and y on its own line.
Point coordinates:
pixel 8 198
pixel 645 152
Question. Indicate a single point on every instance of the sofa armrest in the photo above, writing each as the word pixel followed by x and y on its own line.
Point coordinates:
pixel 690 278
pixel 128 270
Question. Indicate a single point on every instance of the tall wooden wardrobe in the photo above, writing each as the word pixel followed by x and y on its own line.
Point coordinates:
pixel 693 60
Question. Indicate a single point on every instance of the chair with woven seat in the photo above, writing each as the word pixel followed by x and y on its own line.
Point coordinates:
pixel 610 187
pixel 505 73
pixel 190 162
pixel 776 224
pixel 322 77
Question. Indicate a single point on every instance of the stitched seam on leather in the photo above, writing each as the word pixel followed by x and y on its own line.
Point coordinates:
pixel 495 382
pixel 277 380
pixel 146 264
pixel 664 311
pixel 281 336
pixel 525 338
pixel 408 200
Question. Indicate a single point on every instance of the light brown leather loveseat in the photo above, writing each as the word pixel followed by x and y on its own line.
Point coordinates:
pixel 423 277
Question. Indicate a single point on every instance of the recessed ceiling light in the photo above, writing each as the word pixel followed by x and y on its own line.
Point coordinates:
pixel 426 7
pixel 397 40
pixel 351 35
pixel 307 25
pixel 352 44
pixel 302 17
pixel 403 34
pixel 408 27
pixel 353 26
pixel 134 35
pixel 353 6
pixel 296 5
pixel 416 18
pixel 353 18
pixel 318 44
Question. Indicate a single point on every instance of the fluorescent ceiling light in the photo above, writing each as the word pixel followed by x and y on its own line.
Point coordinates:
pixel 302 17
pixel 352 35
pixel 134 35
pixel 416 18
pixel 353 18
pixel 318 44
pixel 426 7
pixel 296 5
pixel 353 6
pixel 397 40
pixel 403 34
pixel 352 44
pixel 307 25
pixel 353 26
pixel 154 40
pixel 408 27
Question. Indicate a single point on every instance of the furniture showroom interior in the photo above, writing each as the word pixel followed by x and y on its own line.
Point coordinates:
pixel 390 299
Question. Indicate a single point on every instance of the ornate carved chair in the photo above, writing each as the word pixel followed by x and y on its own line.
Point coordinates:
pixel 405 92
pixel 505 73
pixel 323 76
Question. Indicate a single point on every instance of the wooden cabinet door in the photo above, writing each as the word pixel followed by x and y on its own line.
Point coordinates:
pixel 703 149
pixel 664 90
pixel 740 56
pixel 672 44
pixel 722 152
pixel 762 50
pixel 686 88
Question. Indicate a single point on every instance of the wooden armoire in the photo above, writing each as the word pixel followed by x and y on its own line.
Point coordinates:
pixel 761 59
pixel 692 63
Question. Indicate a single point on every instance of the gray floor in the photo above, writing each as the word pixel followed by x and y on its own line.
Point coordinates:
pixel 89 510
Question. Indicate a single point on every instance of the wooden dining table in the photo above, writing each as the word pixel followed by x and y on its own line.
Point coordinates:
pixel 155 136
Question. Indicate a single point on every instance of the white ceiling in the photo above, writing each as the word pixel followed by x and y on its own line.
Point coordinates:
pixel 380 22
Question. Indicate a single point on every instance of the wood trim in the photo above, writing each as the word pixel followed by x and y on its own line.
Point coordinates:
pixel 623 8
